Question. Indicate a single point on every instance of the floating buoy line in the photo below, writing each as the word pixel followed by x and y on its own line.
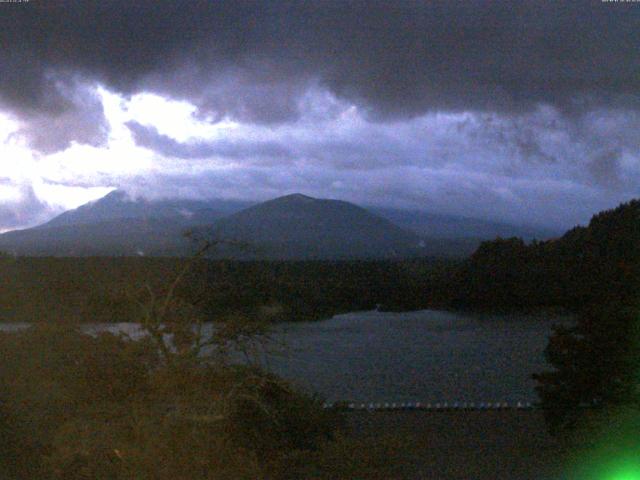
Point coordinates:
pixel 440 406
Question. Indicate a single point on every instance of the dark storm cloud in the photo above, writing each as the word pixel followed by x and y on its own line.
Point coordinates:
pixel 499 109
pixel 251 59
pixel 594 149
pixel 82 120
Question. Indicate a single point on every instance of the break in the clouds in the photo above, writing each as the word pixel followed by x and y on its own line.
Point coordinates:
pixel 517 111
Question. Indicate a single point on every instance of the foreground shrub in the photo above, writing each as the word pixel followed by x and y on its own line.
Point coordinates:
pixel 75 406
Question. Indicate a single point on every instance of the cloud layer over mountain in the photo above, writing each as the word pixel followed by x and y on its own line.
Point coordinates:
pixel 500 109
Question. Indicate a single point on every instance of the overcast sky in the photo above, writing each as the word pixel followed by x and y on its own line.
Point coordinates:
pixel 526 112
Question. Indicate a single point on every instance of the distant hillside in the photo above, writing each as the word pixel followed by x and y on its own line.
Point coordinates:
pixel 119 225
pixel 291 227
pixel 298 226
pixel 454 227
pixel 117 205
pixel 158 237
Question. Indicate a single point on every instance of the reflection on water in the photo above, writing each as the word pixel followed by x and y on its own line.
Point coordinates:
pixel 428 355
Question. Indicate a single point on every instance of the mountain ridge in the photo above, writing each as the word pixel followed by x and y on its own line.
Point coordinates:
pixel 300 225
pixel 297 225
pixel 118 205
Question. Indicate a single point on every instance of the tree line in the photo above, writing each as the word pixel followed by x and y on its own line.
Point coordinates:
pixel 107 289
pixel 596 264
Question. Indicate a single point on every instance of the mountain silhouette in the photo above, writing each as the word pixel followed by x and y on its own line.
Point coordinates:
pixel 290 227
pixel 299 226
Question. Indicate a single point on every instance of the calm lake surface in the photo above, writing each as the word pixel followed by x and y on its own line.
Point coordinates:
pixel 428 356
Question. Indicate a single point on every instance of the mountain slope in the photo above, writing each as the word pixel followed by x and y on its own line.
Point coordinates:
pixel 289 227
pixel 119 225
pixel 117 205
pixel 298 226
pixel 434 226
pixel 158 237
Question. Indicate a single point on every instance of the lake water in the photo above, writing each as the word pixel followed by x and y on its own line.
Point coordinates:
pixel 428 356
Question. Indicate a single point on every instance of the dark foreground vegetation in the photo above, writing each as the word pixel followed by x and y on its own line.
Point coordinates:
pixel 594 265
pixel 591 395
pixel 78 407
pixel 74 406
pixel 174 404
